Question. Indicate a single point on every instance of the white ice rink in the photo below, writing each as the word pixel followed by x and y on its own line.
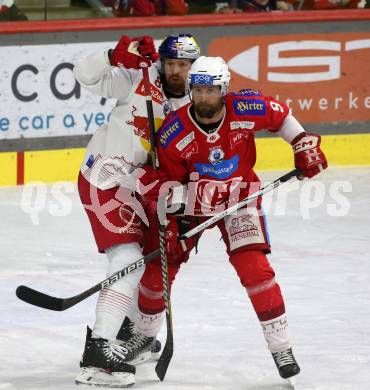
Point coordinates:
pixel 322 265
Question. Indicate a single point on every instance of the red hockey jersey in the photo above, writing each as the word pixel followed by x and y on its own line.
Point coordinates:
pixel 218 166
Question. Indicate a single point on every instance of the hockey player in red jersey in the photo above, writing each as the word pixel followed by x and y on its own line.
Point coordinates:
pixel 116 157
pixel 208 146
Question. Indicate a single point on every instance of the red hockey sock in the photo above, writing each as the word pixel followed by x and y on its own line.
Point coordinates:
pixel 257 276
pixel 150 299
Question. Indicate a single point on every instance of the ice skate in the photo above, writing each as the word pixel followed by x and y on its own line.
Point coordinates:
pixel 140 348
pixel 104 364
pixel 287 365
pixel 292 382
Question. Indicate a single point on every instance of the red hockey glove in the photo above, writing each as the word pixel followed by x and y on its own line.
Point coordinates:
pixel 308 156
pixel 177 252
pixel 150 183
pixel 146 48
pixel 131 52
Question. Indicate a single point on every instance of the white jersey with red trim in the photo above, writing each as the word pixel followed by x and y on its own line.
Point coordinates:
pixel 218 165
pixel 116 149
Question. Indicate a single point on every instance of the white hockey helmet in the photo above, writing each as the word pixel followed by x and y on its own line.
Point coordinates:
pixel 209 71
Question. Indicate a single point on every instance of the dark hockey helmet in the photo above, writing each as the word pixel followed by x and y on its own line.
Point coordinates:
pixel 179 46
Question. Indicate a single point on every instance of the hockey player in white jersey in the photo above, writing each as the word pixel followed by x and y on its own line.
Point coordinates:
pixel 116 157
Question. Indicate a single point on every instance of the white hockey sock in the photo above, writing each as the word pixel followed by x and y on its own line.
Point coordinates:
pixel 148 324
pixel 115 300
pixel 131 314
pixel 276 333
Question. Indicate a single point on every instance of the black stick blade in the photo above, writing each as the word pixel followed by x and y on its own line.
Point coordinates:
pixel 164 360
pixel 49 302
pixel 39 299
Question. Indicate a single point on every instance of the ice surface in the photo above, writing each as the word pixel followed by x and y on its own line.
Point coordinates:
pixel 321 262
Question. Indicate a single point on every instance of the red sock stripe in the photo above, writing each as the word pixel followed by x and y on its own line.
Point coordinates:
pixel 152 311
pixel 114 295
pixel 114 302
pixel 272 313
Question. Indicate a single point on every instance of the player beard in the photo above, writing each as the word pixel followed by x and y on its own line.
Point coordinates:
pixel 176 85
pixel 208 111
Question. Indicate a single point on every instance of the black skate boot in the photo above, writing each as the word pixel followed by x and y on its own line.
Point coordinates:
pixel 140 348
pixel 286 364
pixel 105 364
pixel 126 331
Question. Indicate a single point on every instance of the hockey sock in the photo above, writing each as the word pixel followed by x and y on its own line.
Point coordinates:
pixel 257 276
pixel 276 333
pixel 148 324
pixel 131 314
pixel 114 301
pixel 151 297
pixel 269 306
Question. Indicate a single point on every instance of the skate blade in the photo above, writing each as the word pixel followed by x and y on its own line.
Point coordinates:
pixel 156 356
pixel 292 382
pixel 97 377
pixel 145 357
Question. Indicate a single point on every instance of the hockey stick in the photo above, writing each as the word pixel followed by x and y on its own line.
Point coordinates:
pixel 149 107
pixel 237 206
pixel 167 352
pixel 49 302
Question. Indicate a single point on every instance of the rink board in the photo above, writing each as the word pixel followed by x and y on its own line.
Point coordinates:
pixel 272 154
pixel 46 121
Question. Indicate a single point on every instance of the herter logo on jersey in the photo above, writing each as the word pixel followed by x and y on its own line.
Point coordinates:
pixel 170 130
pixel 249 107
